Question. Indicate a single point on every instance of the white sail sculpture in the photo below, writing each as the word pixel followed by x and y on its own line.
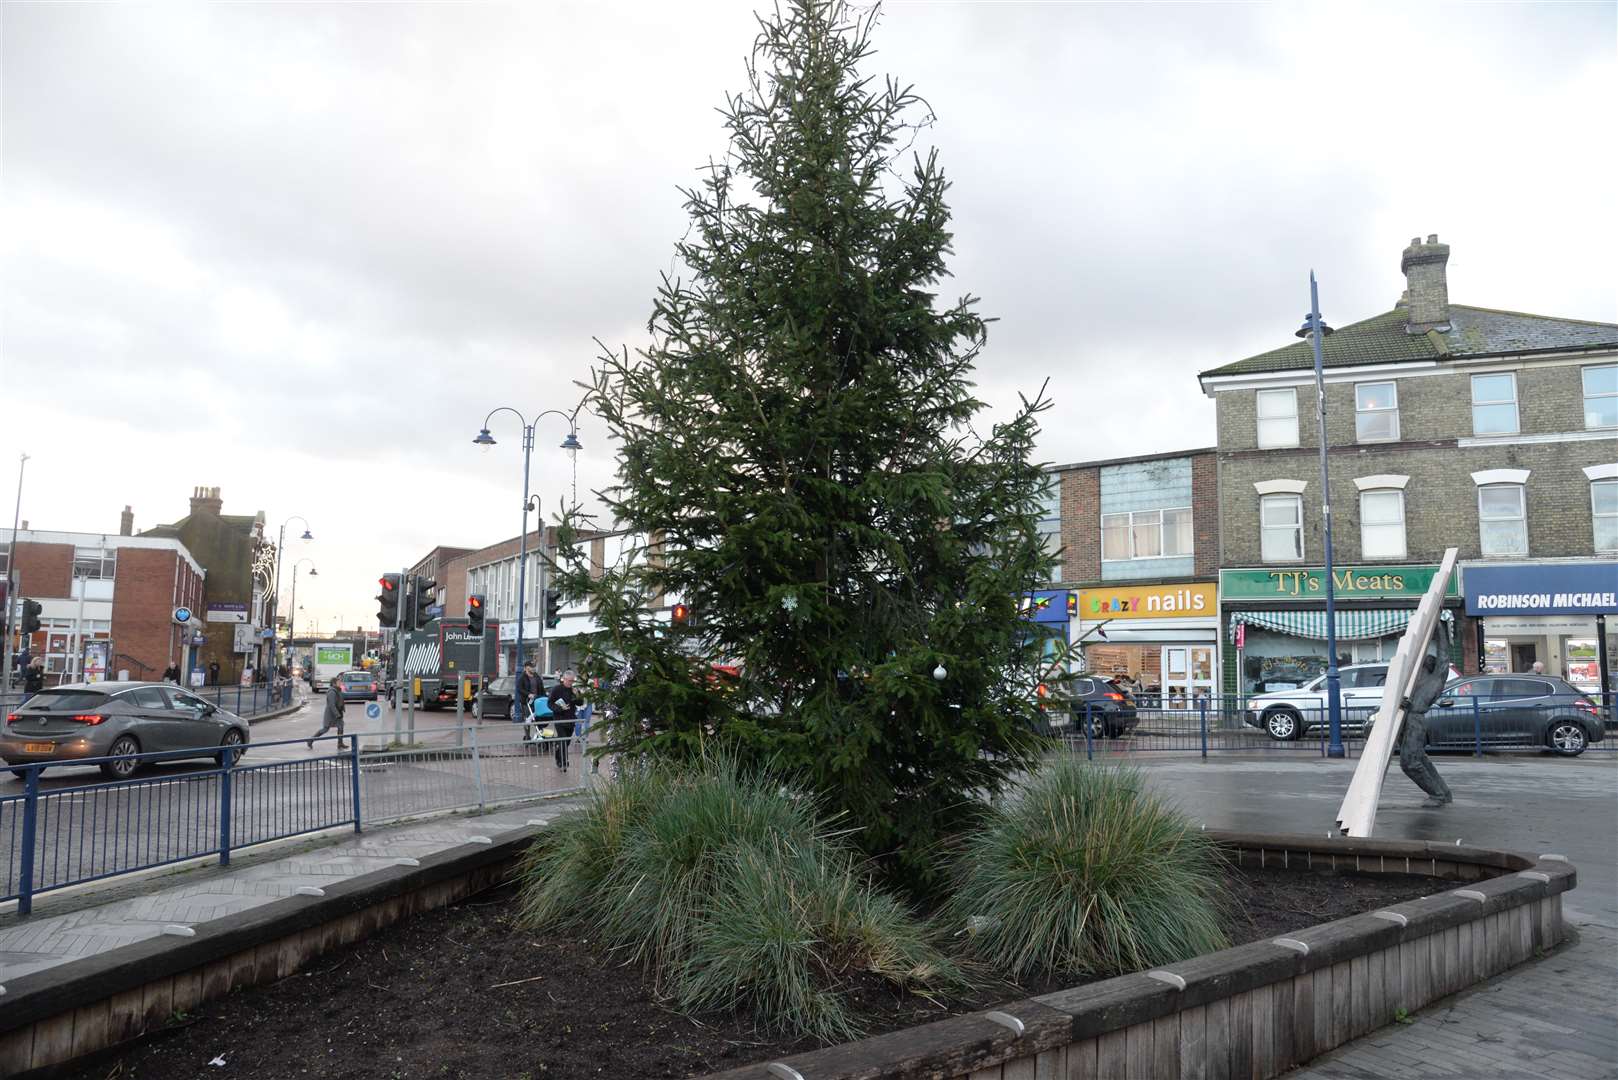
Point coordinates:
pixel 1357 815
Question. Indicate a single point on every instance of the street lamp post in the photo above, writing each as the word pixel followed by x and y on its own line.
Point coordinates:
pixel 571 444
pixel 280 553
pixel 292 612
pixel 1315 330
pixel 11 564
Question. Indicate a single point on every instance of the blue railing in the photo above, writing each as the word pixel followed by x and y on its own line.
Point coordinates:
pixel 1567 724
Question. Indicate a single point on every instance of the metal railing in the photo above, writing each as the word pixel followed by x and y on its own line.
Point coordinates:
pixel 1567 724
pixel 56 836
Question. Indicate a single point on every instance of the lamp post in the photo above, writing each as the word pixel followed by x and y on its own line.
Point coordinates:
pixel 1315 330
pixel 292 611
pixel 570 444
pixel 11 564
pixel 280 552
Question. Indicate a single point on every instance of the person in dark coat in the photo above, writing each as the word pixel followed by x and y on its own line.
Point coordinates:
pixel 171 673
pixel 529 687
pixel 33 677
pixel 213 673
pixel 564 703
pixel 1431 676
pixel 334 714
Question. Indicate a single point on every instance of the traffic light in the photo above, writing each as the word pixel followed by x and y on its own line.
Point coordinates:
pixel 474 614
pixel 30 616
pixel 421 598
pixel 388 612
pixel 553 609
pixel 681 614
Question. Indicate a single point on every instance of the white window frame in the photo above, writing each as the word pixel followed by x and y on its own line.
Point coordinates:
pixel 1360 411
pixel 1365 547
pixel 1596 518
pixel 1259 418
pixel 1522 502
pixel 1129 517
pixel 1584 385
pixel 1516 415
pixel 1278 499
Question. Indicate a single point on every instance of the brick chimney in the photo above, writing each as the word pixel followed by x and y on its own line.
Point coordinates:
pixel 206 501
pixel 1426 285
pixel 126 522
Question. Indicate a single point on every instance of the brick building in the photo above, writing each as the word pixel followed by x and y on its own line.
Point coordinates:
pixel 238 559
pixel 435 566
pixel 1446 425
pixel 107 601
pixel 1139 556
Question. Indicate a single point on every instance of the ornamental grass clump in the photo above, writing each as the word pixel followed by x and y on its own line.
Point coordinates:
pixel 733 893
pixel 1085 873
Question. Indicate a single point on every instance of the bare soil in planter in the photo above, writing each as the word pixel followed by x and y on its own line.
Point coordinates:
pixel 465 992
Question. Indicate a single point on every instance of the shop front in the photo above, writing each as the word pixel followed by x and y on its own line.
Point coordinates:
pixel 1162 641
pixel 1275 620
pixel 1555 614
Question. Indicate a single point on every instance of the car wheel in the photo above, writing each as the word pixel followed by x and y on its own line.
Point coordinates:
pixel 232 752
pixel 1283 724
pixel 122 747
pixel 1567 737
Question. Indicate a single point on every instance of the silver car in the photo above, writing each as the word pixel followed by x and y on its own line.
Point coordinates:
pixel 111 719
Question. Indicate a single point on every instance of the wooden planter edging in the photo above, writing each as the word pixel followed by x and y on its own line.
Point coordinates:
pixel 1254 1011
pixel 51 1017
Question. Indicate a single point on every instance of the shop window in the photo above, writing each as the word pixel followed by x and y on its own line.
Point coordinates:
pixel 1382 524
pixel 1604 511
pixel 1502 519
pixel 1277 418
pixel 1494 404
pixel 1376 412
pixel 1281 528
pixel 1601 396
pixel 1147 534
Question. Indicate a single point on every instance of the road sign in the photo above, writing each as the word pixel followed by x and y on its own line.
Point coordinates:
pixel 182 615
pixel 372 710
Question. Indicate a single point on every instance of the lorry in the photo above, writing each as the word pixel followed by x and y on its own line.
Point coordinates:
pixel 331 658
pixel 440 654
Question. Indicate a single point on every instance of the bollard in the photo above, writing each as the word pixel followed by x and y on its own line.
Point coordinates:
pixel 1477 728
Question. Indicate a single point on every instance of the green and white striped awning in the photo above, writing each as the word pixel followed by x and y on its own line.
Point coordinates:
pixel 1351 625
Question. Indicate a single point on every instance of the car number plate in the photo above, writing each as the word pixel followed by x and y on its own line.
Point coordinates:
pixel 38 747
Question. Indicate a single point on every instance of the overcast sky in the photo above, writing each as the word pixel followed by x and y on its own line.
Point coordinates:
pixel 297 251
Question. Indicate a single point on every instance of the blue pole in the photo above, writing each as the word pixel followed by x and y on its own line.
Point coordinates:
pixel 1202 715
pixel 354 771
pixel 224 810
pixel 30 825
pixel 1334 710
pixel 1477 723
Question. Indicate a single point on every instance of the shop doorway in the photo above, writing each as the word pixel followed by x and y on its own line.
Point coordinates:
pixel 1523 655
pixel 1187 674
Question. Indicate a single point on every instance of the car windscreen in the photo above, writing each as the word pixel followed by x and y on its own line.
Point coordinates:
pixel 357 678
pixel 501 685
pixel 67 701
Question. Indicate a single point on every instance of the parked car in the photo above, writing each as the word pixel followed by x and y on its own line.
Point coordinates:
pixel 1288 714
pixel 495 701
pixel 358 686
pixel 109 719
pixel 1111 710
pixel 1514 710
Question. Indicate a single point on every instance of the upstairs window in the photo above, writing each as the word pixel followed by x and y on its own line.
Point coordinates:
pixel 1277 418
pixel 1601 396
pixel 1502 519
pixel 1146 534
pixel 95 563
pixel 1604 509
pixel 1382 524
pixel 1376 412
pixel 1494 404
pixel 1050 524
pixel 1281 528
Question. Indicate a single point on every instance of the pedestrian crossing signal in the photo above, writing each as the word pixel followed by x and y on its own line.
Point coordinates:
pixel 681 614
pixel 474 614
pixel 387 612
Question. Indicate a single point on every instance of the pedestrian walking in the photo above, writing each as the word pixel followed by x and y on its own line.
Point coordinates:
pixel 33 677
pixel 529 686
pixel 564 703
pixel 333 716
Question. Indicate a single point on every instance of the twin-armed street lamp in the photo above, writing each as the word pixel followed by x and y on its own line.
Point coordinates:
pixel 570 444
pixel 292 615
pixel 280 553
pixel 1315 330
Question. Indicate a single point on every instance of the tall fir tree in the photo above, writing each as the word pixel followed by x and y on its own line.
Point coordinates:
pixel 797 451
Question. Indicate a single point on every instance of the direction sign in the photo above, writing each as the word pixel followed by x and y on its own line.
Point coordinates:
pixel 372 710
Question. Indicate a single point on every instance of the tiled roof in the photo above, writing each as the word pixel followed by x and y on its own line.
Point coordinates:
pixel 1473 331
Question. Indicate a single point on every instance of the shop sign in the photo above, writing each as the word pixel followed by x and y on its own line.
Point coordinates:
pixel 1149 601
pixel 226 612
pixel 1045 606
pixel 1545 589
pixel 1350 583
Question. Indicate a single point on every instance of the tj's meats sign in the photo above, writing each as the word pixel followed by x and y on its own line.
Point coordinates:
pixel 1547 589
pixel 1350 583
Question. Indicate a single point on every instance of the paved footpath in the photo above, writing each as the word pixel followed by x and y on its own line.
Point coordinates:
pixel 1554 1018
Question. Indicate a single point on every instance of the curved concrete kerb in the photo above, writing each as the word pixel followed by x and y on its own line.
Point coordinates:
pixel 1006 1020
pixel 1176 981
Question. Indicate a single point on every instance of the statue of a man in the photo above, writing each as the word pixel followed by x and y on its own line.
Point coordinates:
pixel 1431 676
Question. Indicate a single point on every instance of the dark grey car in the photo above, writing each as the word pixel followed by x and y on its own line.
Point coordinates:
pixel 1514 710
pixel 111 719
